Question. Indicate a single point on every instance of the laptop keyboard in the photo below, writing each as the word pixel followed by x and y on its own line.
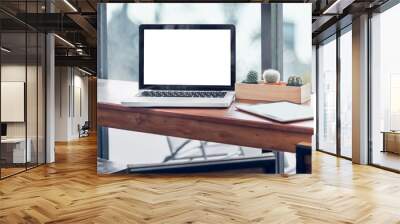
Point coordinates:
pixel 200 94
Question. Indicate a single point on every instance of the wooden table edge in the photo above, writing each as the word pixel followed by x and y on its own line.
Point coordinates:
pixel 287 127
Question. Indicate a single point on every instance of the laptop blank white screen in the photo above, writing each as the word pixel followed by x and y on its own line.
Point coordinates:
pixel 187 57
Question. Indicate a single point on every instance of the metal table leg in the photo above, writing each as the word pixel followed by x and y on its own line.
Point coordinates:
pixel 303 159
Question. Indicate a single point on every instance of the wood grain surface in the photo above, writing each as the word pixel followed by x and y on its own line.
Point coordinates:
pixel 219 125
pixel 273 93
pixel 70 191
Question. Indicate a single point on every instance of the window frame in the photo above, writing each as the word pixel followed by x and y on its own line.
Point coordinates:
pixel 333 37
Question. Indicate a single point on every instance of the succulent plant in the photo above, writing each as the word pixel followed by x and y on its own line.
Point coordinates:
pixel 295 81
pixel 252 77
pixel 271 76
pixel 299 81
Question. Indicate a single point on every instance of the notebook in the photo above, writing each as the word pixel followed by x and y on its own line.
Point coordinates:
pixel 280 111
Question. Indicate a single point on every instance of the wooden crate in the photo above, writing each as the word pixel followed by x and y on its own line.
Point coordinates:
pixel 273 93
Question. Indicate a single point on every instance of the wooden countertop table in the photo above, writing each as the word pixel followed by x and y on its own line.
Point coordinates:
pixel 228 126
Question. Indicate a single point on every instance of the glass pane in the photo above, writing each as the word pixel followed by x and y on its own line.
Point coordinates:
pixel 13 86
pixel 385 114
pixel 151 150
pixel 297 52
pixel 346 94
pixel 327 97
pixel 122 50
pixel 31 100
pixel 32 90
pixel 296 41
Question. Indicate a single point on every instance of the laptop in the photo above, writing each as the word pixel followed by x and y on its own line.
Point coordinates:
pixel 186 65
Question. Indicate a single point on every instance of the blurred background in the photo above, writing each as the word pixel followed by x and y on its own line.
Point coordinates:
pixel 122 50
pixel 119 62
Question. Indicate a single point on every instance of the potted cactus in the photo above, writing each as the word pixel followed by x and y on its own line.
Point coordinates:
pixel 252 77
pixel 271 76
pixel 272 90
pixel 295 81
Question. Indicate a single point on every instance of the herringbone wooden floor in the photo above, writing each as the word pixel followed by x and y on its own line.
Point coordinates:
pixel 70 191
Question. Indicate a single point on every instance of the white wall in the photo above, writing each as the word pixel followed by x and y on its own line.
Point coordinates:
pixel 81 103
pixel 71 102
pixel 14 73
pixel 12 101
pixel 61 103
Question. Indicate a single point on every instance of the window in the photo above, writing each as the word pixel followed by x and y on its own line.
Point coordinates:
pixel 122 50
pixel 327 96
pixel 385 87
pixel 296 43
pixel 334 79
pixel 346 94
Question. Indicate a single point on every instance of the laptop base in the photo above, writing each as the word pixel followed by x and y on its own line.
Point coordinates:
pixel 195 102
